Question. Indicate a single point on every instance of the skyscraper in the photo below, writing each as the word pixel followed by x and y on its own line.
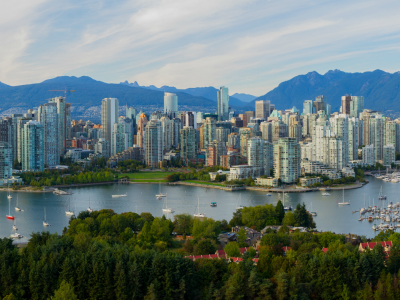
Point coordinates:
pixel 266 131
pixel 356 106
pixel 188 144
pixel 167 129
pixel 223 103
pixel 392 134
pixel 170 104
pixel 221 134
pixel 153 143
pixel 378 135
pixel 259 154
pixel 209 127
pixel 33 155
pixel 109 116
pixel 287 160
pixel 5 160
pixel 122 137
pixel 63 111
pixel 346 100
pixel 48 117
pixel 141 127
pixel 308 107
pixel 263 109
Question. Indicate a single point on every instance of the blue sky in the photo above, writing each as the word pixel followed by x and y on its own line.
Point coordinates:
pixel 249 46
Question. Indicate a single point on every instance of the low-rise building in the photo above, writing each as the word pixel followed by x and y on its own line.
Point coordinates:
pixel 270 181
pixel 219 172
pixel 307 181
pixel 315 167
pixel 244 172
pixel 348 172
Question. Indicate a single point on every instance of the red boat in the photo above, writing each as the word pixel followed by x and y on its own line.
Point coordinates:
pixel 10 217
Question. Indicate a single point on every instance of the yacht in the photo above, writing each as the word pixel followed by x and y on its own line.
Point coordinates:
pixel 9 216
pixel 381 196
pixel 166 209
pixel 344 203
pixel 326 194
pixel 16 235
pixel 160 195
pixel 118 195
pixel 374 227
pixel 45 223
pixel 9 197
pixel 199 214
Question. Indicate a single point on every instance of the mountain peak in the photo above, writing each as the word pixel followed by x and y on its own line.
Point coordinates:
pixel 2 85
pixel 70 79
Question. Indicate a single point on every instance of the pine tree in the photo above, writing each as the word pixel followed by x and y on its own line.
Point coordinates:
pixel 345 292
pixel 151 293
pixel 65 292
pixel 135 282
pixel 280 211
pixel 120 282
pixel 282 287
pixel 389 287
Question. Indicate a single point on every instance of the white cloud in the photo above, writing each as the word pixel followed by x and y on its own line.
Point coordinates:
pixel 250 46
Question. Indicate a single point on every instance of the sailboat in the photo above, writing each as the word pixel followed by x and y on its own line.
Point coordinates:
pixel 15 226
pixel 285 207
pixel 239 206
pixel 89 208
pixel 159 195
pixel 69 212
pixel 118 195
pixel 313 213
pixel 166 209
pixel 199 214
pixel 344 203
pixel 9 216
pixel 45 223
pixel 381 196
pixel 15 234
pixel 17 207
pixel 9 197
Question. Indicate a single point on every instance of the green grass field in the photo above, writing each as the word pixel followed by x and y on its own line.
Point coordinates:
pixel 146 175
pixel 203 182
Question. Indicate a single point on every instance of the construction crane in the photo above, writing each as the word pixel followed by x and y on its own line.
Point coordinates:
pixel 65 114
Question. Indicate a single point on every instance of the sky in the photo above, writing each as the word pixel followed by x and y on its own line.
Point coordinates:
pixel 248 46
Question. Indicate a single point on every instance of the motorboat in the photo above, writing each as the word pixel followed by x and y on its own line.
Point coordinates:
pixel 119 195
pixel 326 194
pixel 16 235
pixel 213 204
pixel 374 227
pixel 287 208
pixel 268 194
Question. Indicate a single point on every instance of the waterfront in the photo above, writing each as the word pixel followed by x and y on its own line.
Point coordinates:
pixel 183 199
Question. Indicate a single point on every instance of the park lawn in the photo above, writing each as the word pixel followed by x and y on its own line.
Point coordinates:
pixel 148 180
pixel 203 182
pixel 146 175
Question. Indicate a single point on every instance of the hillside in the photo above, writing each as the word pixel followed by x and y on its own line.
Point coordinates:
pixel 86 99
pixel 206 92
pixel 381 90
pixel 244 97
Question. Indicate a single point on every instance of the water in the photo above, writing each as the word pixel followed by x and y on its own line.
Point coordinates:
pixel 183 199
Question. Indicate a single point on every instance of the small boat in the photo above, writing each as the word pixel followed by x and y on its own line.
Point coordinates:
pixel 199 214
pixel 370 218
pixel 374 227
pixel 391 227
pixel 160 195
pixel 15 226
pixel 238 205
pixel 268 194
pixel 287 208
pixel 16 235
pixel 344 203
pixel 45 223
pixel 326 194
pixel 17 207
pixel 61 192
pixel 313 213
pixel 9 216
pixel 118 195
pixel 213 204
pixel 166 209
pixel 9 197
pixel 381 196
pixel 69 212
pixel 89 209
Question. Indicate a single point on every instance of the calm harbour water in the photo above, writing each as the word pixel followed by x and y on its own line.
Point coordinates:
pixel 183 199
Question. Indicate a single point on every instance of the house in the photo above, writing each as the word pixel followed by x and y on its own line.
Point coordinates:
pixel 386 246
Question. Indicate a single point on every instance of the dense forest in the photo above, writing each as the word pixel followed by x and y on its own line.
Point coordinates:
pixel 104 255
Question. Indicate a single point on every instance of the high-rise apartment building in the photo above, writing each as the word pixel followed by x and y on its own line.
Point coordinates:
pixel 176 132
pixel 340 128
pixel 259 154
pixel 233 141
pixel 6 162
pixel 356 106
pixel 368 155
pixel 263 109
pixel 389 155
pixel 346 100
pixel 279 130
pixel 167 129
pixel 33 147
pixel 392 134
pixel 308 107
pixel 266 131
pixel 377 135
pixel 15 120
pixel 223 103
pixel 20 137
pixel 221 134
pixel 295 130
pixel 353 142
pixel 170 104
pixel 122 137
pixel 188 144
pixel 48 117
pixel 209 130
pixel 64 120
pixel 109 116
pixel 286 158
pixel 245 135
pixel 214 151
pixel 103 148
pixel 141 129
pixel 153 143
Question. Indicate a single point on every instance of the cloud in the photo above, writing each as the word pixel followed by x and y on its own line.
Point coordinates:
pixel 249 46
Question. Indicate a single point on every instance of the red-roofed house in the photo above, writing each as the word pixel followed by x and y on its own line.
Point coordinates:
pixel 236 259
pixel 221 253
pixel 286 248
pixel 386 246
pixel 194 257
pixel 324 250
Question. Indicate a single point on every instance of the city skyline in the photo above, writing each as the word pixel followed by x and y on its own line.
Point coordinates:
pixel 250 47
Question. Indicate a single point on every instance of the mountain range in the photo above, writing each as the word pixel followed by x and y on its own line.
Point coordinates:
pixel 381 91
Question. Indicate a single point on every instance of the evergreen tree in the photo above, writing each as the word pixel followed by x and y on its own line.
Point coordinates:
pixel 282 287
pixel 280 211
pixel 345 292
pixel 151 293
pixel 120 282
pixel 65 292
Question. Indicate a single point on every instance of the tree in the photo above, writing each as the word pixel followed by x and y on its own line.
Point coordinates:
pixel 241 237
pixel 182 223
pixel 280 211
pixel 10 297
pixel 303 217
pixel 282 287
pixel 205 246
pixel 289 219
pixel 65 292
pixel 232 249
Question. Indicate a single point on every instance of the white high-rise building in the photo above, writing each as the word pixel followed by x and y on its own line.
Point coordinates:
pixel 368 155
pixel 64 121
pixel 33 148
pixel 354 124
pixel 48 117
pixel 223 104
pixel 153 143
pixel 378 135
pixel 167 129
pixel 389 155
pixel 122 137
pixel 392 134
pixel 259 154
pixel 5 161
pixel 170 104
pixel 286 153
pixel 356 106
pixel 263 109
pixel 308 107
pixel 340 128
pixel 109 116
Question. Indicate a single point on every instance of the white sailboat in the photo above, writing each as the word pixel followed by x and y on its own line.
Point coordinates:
pixel 238 205
pixel 160 195
pixel 15 234
pixel 287 208
pixel 89 208
pixel 17 207
pixel 326 194
pixel 15 226
pixel 9 197
pixel 381 196
pixel 344 203
pixel 45 223
pixel 118 195
pixel 166 209
pixel 69 212
pixel 199 214
pixel 313 213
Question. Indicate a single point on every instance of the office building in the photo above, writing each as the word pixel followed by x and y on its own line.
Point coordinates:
pixel 48 117
pixel 308 107
pixel 188 144
pixel 263 109
pixel 286 160
pixel 346 100
pixel 33 147
pixel 109 116
pixel 170 104
pixel 223 104
pixel 153 143
pixel 356 106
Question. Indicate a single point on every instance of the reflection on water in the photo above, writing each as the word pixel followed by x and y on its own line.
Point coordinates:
pixel 183 199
